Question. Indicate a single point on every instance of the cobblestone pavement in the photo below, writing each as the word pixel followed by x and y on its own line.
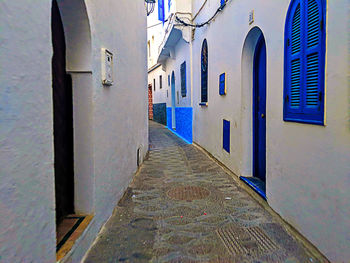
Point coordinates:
pixel 183 207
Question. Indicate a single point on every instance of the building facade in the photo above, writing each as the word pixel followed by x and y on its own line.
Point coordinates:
pixel 71 133
pixel 267 84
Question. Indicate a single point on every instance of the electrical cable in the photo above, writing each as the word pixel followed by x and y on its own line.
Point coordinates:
pixel 204 23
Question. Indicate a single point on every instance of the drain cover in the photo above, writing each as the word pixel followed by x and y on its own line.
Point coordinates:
pixel 242 240
pixel 188 193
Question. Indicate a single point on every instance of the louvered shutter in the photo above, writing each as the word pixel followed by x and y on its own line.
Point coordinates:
pixel 161 13
pixel 304 62
pixel 183 79
pixel 204 72
pixel 313 97
pixel 294 61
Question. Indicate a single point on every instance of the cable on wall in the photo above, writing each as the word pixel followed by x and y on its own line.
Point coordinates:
pixel 204 23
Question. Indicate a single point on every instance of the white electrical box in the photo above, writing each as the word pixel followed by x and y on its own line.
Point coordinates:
pixel 107 67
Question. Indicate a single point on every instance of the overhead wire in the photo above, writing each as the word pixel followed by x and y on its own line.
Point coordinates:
pixel 204 23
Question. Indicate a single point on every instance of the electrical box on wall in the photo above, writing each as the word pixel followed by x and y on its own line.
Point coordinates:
pixel 107 67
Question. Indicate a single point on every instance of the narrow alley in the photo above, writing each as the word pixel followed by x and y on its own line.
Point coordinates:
pixel 183 207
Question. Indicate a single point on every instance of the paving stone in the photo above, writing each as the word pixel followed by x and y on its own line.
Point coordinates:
pixel 183 207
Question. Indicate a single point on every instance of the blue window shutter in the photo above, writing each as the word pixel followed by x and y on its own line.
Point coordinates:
pixel 313 98
pixel 161 10
pixel 204 72
pixel 226 136
pixel 304 62
pixel 183 79
pixel 294 52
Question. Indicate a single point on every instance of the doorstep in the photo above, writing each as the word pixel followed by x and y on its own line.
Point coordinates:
pixel 68 231
pixel 256 184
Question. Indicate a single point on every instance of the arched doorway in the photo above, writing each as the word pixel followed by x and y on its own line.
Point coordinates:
pixel 253 110
pixel 173 107
pixel 62 120
pixel 259 111
pixel 72 108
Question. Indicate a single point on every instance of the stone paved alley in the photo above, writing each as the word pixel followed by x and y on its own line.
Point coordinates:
pixel 183 207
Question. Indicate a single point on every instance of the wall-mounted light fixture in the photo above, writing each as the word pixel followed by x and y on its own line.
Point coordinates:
pixel 150 6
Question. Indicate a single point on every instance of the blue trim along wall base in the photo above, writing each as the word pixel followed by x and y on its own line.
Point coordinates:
pixel 183 117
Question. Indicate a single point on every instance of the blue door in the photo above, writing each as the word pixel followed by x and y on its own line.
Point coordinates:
pixel 259 111
pixel 173 121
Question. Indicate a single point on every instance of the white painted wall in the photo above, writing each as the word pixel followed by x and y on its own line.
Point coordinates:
pixel 308 166
pixel 182 53
pixel 27 204
pixel 115 120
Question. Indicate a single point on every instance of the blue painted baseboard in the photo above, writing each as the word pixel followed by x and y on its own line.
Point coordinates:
pixel 183 117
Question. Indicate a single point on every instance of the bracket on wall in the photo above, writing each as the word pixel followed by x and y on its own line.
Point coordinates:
pixel 107 67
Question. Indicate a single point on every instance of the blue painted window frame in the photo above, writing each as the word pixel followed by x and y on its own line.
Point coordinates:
pixel 183 79
pixel 222 84
pixel 161 11
pixel 204 72
pixel 226 136
pixel 307 106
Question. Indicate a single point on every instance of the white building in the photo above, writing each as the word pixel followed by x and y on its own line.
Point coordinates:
pixel 49 76
pixel 281 119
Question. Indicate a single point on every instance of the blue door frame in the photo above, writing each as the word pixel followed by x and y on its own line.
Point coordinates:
pixel 259 110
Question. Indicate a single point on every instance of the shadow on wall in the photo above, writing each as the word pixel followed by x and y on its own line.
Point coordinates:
pixel 159 113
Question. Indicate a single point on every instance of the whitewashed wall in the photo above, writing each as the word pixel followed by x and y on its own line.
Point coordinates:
pixel 27 204
pixel 308 166
pixel 159 94
pixel 118 122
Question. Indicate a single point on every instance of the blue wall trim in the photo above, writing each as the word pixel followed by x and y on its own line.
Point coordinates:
pixel 183 117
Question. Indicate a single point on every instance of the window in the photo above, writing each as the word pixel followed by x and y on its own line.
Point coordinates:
pixel 154 84
pixel 226 136
pixel 169 80
pixel 160 82
pixel 304 62
pixel 204 73
pixel 161 10
pixel 183 79
pixel 169 5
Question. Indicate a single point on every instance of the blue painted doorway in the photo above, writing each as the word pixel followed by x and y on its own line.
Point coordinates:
pixel 173 120
pixel 259 111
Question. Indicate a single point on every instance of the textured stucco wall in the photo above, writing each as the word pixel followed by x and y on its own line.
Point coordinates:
pixel 27 204
pixel 116 116
pixel 120 123
pixel 307 166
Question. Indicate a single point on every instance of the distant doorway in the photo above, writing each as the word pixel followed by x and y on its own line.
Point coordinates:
pixel 173 115
pixel 254 111
pixel 259 111
pixel 62 120
pixel 150 102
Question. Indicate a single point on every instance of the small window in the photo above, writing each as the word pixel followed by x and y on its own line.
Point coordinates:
pixel 305 62
pixel 160 82
pixel 149 48
pixel 154 84
pixel 204 72
pixel 226 136
pixel 161 10
pixel 169 80
pixel 183 79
